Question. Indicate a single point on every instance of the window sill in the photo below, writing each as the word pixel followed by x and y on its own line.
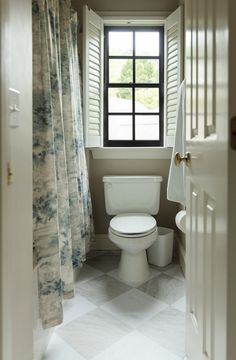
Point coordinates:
pixel 131 153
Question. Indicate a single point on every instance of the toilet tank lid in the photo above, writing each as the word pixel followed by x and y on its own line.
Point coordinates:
pixel 131 178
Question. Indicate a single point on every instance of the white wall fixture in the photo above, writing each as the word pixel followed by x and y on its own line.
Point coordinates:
pixel 180 220
pixel 14 108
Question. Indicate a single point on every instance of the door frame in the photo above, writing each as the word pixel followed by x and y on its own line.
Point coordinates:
pixel 16 258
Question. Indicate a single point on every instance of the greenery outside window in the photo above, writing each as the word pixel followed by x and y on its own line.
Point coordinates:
pixel 133 86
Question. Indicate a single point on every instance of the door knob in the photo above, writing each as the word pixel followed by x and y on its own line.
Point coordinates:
pixel 186 159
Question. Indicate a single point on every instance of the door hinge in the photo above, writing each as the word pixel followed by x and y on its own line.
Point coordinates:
pixel 9 173
pixel 233 132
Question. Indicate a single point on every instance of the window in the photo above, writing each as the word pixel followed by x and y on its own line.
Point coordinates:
pixel 130 94
pixel 133 86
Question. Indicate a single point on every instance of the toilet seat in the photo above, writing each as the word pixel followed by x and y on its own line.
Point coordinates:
pixel 132 225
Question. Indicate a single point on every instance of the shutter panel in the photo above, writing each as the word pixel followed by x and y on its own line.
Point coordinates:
pixel 174 71
pixel 92 77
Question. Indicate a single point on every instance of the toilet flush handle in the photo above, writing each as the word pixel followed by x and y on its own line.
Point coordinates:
pixel 186 159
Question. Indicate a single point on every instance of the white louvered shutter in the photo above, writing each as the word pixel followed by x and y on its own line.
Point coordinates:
pixel 174 70
pixel 92 77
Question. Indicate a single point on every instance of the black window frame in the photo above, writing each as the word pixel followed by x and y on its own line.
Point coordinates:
pixel 133 85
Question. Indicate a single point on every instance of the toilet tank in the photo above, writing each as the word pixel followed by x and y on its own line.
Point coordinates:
pixel 124 194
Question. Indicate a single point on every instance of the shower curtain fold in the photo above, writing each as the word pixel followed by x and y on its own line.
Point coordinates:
pixel 62 210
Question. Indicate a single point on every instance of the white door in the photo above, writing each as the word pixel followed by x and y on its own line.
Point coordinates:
pixel 16 290
pixel 207 141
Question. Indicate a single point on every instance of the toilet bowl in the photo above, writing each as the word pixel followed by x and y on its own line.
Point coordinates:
pixel 133 233
pixel 133 200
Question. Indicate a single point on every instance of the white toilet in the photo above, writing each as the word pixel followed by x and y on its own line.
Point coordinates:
pixel 133 199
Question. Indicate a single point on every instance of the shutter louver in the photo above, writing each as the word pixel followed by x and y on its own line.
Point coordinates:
pixel 174 70
pixel 92 77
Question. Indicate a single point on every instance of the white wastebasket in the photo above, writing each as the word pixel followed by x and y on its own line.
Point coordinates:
pixel 161 252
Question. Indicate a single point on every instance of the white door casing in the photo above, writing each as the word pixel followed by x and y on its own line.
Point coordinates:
pixel 207 178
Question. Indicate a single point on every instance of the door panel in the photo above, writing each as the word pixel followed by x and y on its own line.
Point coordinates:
pixel 208 278
pixel 193 300
pixel 210 67
pixel 207 141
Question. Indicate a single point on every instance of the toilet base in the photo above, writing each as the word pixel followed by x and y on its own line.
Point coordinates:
pixel 134 268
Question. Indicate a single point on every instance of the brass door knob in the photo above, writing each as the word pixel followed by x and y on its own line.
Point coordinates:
pixel 186 159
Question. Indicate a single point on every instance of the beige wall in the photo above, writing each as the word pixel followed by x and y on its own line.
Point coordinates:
pixel 99 168
pixel 125 5
pixel 16 199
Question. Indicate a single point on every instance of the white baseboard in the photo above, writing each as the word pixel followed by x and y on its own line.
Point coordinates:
pixel 103 243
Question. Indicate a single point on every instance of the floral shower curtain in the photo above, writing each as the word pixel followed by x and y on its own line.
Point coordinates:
pixel 62 210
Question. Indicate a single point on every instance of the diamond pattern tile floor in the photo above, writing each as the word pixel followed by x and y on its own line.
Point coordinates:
pixel 102 289
pixel 114 274
pixel 88 273
pixel 109 320
pixel 61 350
pixel 164 288
pixel 136 346
pixel 105 262
pixel 175 272
pixel 167 328
pixel 93 333
pixel 75 307
pixel 134 307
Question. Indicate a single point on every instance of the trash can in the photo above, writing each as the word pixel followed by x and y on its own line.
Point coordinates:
pixel 161 252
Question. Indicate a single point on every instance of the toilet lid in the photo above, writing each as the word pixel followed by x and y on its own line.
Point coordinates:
pixel 133 224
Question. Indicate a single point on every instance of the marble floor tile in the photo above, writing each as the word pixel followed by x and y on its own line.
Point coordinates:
pixel 175 272
pixel 134 307
pixel 136 346
pixel 101 289
pixel 87 273
pixel 144 322
pixel 164 288
pixel 165 268
pixel 167 328
pixel 114 273
pixel 76 307
pixel 93 333
pixel 58 349
pixel 105 262
pixel 180 304
pixel 95 253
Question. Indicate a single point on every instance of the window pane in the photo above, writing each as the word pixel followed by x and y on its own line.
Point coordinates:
pixel 147 71
pixel 147 43
pixel 120 71
pixel 120 100
pixel 120 127
pixel 147 100
pixel 147 127
pixel 120 43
